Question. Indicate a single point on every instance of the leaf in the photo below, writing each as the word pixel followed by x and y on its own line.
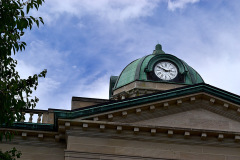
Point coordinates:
pixel 36 6
pixel 22 13
pixel 28 8
pixel 37 22
pixel 40 18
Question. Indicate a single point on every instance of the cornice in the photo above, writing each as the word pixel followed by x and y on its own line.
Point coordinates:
pixel 149 133
pixel 25 134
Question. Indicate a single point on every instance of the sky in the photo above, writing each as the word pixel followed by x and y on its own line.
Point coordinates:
pixel 83 43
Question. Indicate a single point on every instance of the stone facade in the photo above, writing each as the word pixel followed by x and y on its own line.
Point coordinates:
pixel 131 149
pixel 139 88
pixel 80 102
pixel 34 149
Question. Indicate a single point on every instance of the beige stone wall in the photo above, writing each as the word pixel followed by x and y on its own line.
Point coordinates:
pixel 109 148
pixel 79 104
pixel 36 150
pixel 146 85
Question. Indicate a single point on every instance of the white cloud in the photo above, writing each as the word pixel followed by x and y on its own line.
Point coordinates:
pixel 222 72
pixel 38 56
pixel 46 86
pixel 56 90
pixel 92 86
pixel 111 10
pixel 47 93
pixel 74 67
pixel 175 4
pixel 97 88
pixel 26 70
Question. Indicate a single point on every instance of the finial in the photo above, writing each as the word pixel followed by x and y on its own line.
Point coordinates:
pixel 158 49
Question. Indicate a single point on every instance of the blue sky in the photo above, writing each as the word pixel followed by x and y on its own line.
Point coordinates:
pixel 84 42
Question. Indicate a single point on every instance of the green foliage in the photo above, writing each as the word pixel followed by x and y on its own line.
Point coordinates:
pixel 10 155
pixel 15 92
pixel 7 135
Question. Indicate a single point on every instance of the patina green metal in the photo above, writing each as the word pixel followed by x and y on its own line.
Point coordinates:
pixel 165 57
pixel 158 49
pixel 113 80
pixel 142 74
pixel 192 76
pixel 32 126
pixel 128 74
pixel 138 69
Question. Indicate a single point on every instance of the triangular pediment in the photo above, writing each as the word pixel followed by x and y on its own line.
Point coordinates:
pixel 197 119
pixel 196 111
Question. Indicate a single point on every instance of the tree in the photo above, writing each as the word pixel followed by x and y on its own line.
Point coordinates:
pixel 10 155
pixel 15 92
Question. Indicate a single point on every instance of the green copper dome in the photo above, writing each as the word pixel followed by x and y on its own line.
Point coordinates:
pixel 142 68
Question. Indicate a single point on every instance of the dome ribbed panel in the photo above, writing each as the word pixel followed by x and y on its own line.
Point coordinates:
pixel 142 74
pixel 128 74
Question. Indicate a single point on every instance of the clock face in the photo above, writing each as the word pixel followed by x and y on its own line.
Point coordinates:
pixel 165 70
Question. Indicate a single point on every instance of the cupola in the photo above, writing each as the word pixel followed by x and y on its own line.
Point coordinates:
pixel 158 71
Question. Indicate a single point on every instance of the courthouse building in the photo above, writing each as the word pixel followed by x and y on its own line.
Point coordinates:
pixel 159 108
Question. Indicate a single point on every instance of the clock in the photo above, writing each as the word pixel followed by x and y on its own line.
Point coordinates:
pixel 165 70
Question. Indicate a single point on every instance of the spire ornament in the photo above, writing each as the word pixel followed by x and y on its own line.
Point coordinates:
pixel 158 49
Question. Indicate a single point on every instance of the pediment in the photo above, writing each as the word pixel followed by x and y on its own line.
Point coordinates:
pixel 198 111
pixel 197 119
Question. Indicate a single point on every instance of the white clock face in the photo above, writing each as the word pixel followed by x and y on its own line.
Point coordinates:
pixel 165 70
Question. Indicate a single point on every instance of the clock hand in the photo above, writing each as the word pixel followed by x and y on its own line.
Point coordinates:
pixel 162 68
pixel 169 70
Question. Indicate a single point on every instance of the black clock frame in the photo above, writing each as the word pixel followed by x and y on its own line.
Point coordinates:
pixel 153 77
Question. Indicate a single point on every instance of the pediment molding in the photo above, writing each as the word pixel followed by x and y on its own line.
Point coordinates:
pixel 113 106
pixel 170 106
